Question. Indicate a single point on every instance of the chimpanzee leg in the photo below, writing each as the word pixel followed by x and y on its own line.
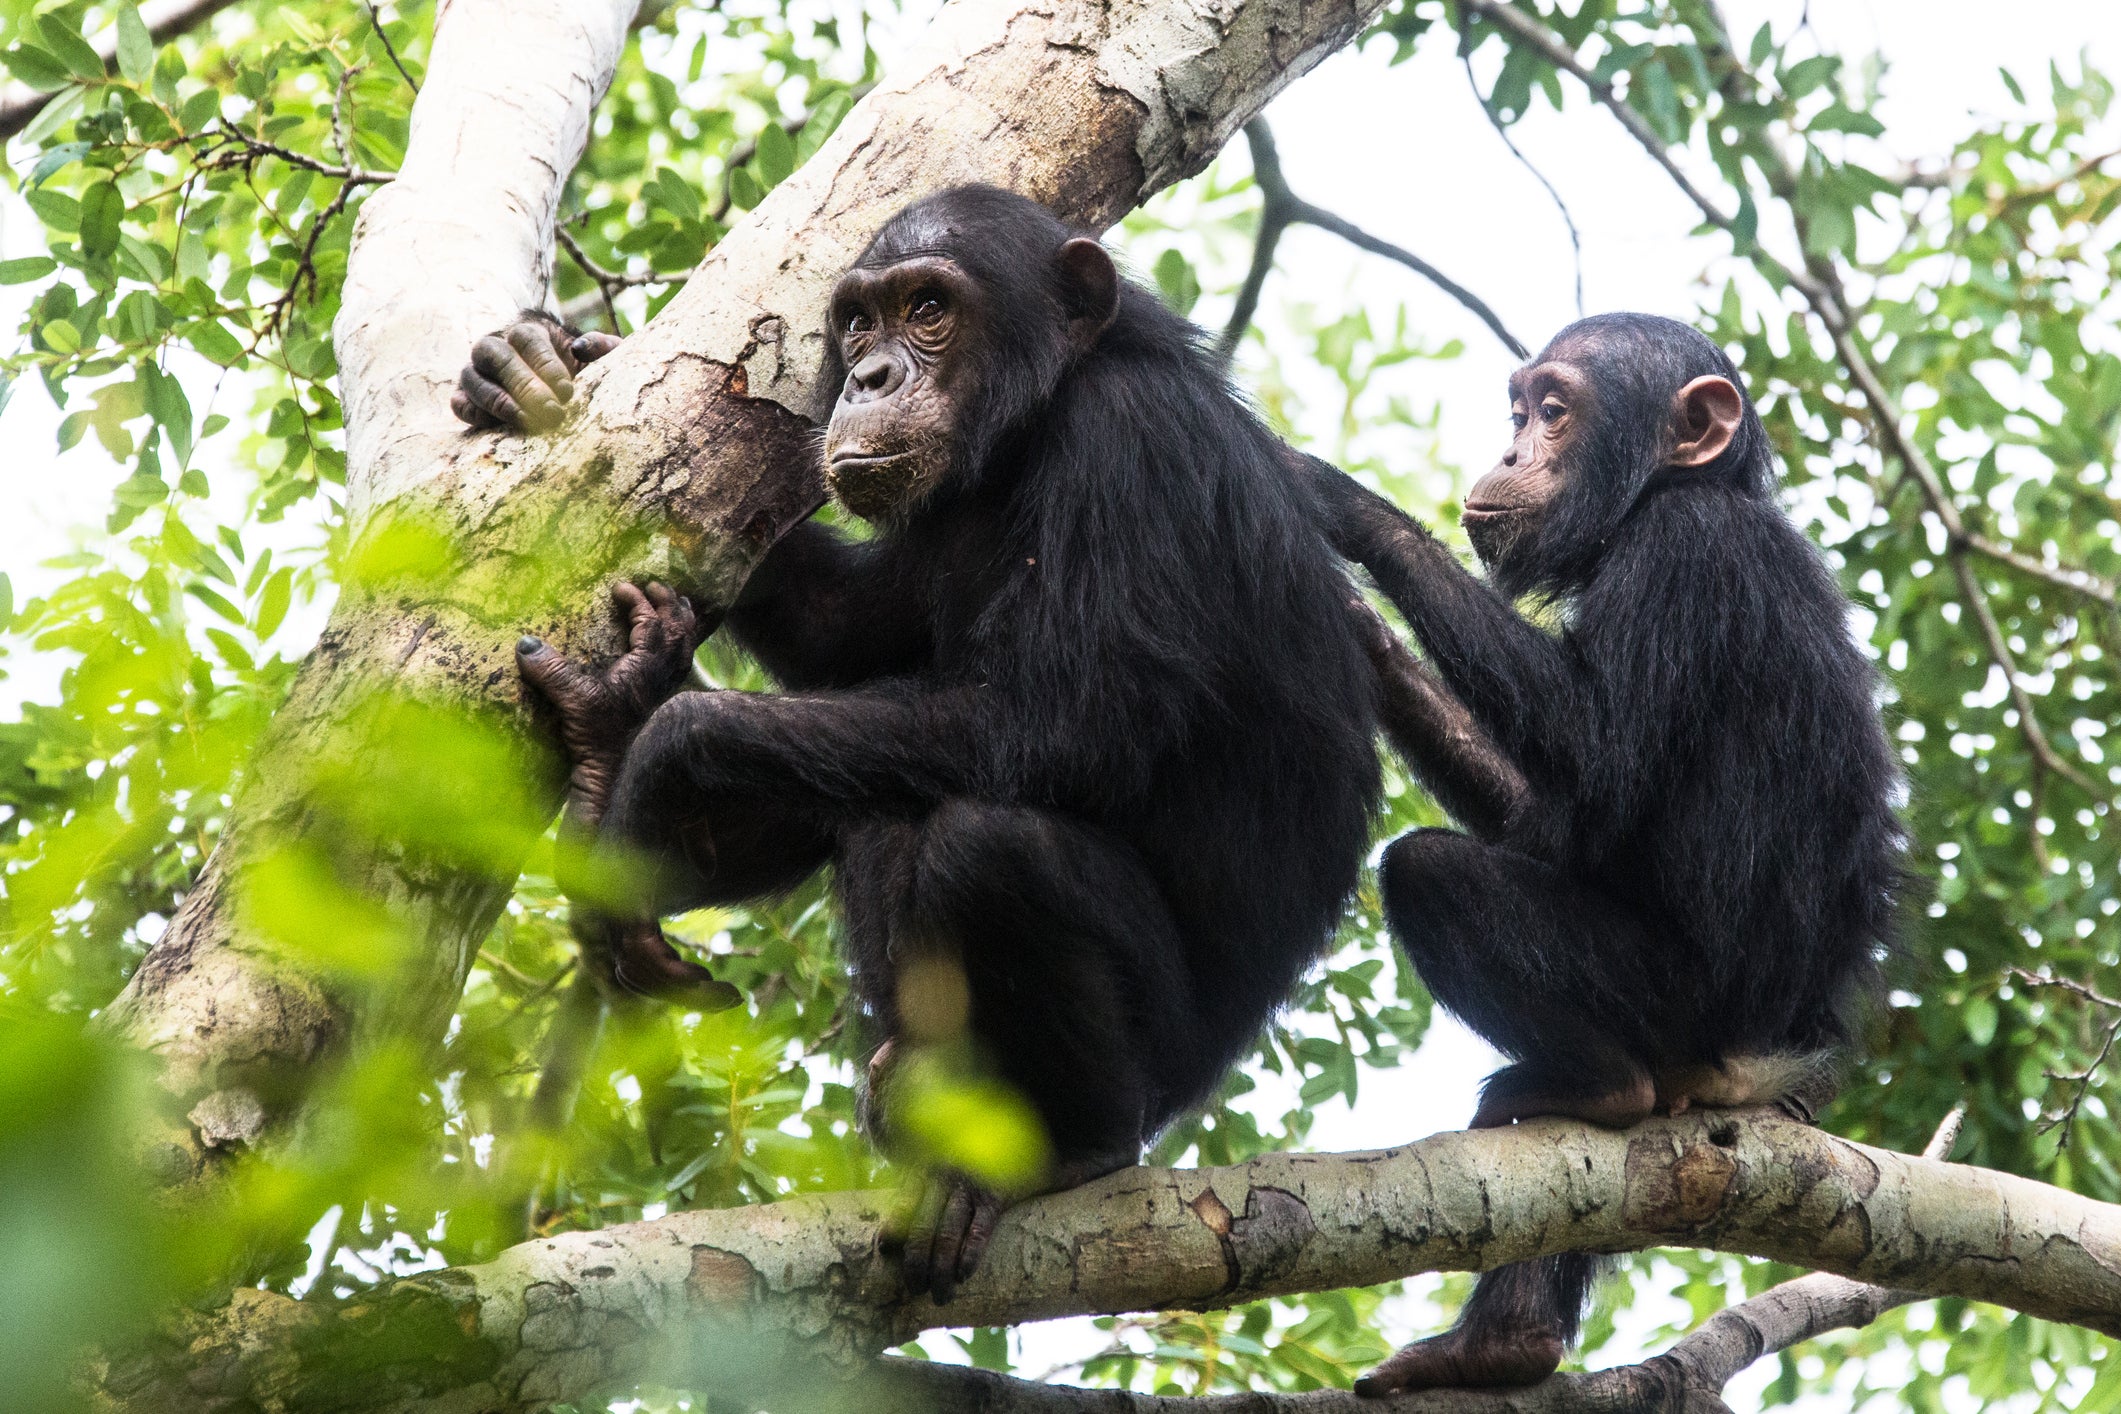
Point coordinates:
pixel 1513 1331
pixel 1543 970
pixel 1538 968
pixel 1077 993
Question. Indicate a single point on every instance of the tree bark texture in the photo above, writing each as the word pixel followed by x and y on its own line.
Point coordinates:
pixel 792 1298
pixel 688 452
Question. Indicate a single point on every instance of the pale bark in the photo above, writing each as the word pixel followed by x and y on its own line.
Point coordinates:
pixel 688 454
pixel 751 1298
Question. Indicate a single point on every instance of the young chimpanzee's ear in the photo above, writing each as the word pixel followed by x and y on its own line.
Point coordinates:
pixel 1091 286
pixel 1705 417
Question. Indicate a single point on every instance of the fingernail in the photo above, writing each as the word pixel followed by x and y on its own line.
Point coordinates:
pixel 565 389
pixel 529 643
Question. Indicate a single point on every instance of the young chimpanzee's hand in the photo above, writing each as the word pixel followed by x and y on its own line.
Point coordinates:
pixel 601 712
pixel 521 377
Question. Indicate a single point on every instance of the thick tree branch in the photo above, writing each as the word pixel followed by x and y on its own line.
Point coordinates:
pixel 1282 208
pixel 20 104
pixel 742 1299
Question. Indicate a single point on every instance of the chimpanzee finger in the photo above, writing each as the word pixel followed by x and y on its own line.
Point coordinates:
pixel 548 670
pixel 588 348
pixel 986 1214
pixel 541 346
pixel 950 1232
pixel 917 1252
pixel 490 398
pixel 494 358
pixel 643 632
pixel 470 412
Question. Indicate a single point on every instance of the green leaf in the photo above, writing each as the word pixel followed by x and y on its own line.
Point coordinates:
pixel 55 209
pixel 1980 1019
pixel 200 109
pixel 744 190
pixel 7 600
pixel 136 48
pixel 776 154
pixel 676 194
pixel 61 336
pixel 210 338
pixel 824 119
pixel 37 69
pixel 102 209
pixel 54 158
pixel 67 45
pixel 272 604
pixel 29 267
pixel 206 595
pixel 232 652
pixel 61 110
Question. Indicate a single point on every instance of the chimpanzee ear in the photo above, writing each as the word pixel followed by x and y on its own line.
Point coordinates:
pixel 1092 288
pixel 1705 417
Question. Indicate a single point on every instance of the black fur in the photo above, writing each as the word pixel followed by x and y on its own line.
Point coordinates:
pixel 1092 718
pixel 1708 862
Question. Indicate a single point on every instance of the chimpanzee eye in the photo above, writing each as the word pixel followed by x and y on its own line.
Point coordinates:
pixel 858 322
pixel 927 307
pixel 1551 409
pixel 1518 420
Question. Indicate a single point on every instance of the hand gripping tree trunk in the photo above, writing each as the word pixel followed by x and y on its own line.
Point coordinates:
pixel 687 455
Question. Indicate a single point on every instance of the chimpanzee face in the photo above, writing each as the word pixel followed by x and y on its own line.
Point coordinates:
pixel 1548 402
pixel 908 335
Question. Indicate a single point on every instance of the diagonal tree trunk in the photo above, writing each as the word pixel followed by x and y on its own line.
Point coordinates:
pixel 688 455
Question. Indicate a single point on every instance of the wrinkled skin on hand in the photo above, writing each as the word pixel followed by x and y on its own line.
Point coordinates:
pixel 522 377
pixel 601 712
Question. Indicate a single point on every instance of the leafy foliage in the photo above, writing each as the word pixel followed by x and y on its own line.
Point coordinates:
pixel 196 201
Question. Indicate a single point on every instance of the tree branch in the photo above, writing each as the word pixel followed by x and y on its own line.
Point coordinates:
pixel 20 104
pixel 1282 208
pixel 744 1299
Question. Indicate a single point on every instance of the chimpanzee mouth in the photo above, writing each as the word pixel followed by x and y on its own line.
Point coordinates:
pixel 1485 515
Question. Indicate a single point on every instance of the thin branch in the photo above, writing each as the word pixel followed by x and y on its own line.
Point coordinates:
pixel 1502 131
pixel 376 22
pixel 20 104
pixel 233 148
pixel 1282 208
pixel 2065 1118
pixel 1820 284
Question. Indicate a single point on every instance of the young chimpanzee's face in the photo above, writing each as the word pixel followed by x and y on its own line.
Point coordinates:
pixel 908 334
pixel 1549 401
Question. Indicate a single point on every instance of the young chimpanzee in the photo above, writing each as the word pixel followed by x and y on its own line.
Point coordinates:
pixel 1088 718
pixel 1697 870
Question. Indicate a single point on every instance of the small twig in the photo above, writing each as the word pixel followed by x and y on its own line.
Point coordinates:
pixel 238 149
pixel 376 23
pixel 1502 131
pixel 2065 1118
pixel 1283 208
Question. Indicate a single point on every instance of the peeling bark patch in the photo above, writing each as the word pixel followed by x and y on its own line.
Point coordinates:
pixel 1210 1210
pixel 1267 1241
pixel 719 1278
pixel 1665 1193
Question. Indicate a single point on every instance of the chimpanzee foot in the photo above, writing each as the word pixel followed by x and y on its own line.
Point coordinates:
pixel 1512 1093
pixel 637 958
pixel 600 712
pixel 943 1232
pixel 1466 1359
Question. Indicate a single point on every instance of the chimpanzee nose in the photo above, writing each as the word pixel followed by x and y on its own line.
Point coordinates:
pixel 875 377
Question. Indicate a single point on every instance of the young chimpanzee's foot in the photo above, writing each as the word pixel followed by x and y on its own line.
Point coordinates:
pixel 601 712
pixel 1518 1092
pixel 1467 1358
pixel 941 1234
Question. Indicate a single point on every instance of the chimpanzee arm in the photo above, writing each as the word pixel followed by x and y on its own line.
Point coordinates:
pixel 1437 738
pixel 1521 684
pixel 823 611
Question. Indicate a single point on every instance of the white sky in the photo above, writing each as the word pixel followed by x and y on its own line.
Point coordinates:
pixel 1406 153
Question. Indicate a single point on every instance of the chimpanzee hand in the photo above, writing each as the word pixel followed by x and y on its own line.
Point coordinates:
pixel 520 377
pixel 601 712
pixel 941 1230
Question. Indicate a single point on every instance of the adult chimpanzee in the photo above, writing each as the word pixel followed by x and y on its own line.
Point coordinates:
pixel 1088 718
pixel 1692 874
